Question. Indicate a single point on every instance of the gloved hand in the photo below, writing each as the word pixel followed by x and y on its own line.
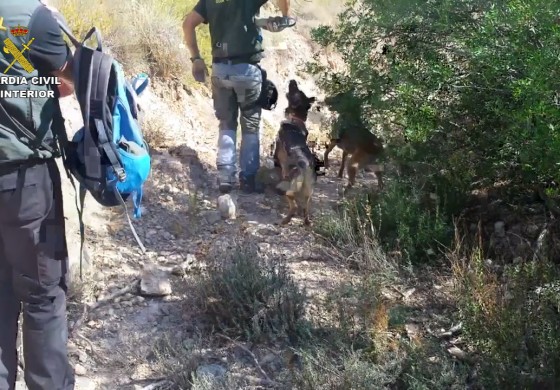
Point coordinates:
pixel 199 70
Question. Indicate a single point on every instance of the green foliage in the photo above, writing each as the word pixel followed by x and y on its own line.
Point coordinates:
pixel 250 296
pixel 513 321
pixel 402 217
pixel 465 94
pixel 469 88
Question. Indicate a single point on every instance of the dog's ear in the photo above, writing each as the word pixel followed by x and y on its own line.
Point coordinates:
pixel 293 87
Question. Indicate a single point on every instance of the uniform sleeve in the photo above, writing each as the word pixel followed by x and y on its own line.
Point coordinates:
pixel 200 8
pixel 258 4
pixel 49 51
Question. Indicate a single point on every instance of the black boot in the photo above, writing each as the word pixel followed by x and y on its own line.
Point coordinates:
pixel 249 185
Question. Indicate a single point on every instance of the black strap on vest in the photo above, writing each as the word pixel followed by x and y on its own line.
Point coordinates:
pixel 34 142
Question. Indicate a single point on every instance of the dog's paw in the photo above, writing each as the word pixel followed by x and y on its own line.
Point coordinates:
pixel 285 221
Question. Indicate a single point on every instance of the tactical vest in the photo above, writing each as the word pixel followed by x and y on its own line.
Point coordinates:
pixel 35 114
pixel 233 32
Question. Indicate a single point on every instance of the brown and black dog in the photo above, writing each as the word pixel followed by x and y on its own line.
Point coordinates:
pixel 356 141
pixel 294 156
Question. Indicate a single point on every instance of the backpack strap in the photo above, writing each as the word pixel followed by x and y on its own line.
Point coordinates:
pixel 98 97
pixel 34 141
pixel 123 203
pixel 104 65
pixel 59 130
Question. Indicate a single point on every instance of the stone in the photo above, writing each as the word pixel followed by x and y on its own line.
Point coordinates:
pixel 80 370
pixel 212 217
pixel 154 282
pixel 83 383
pixel 227 207
pixel 211 371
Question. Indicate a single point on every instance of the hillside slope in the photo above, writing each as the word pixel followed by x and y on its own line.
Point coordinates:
pixel 112 344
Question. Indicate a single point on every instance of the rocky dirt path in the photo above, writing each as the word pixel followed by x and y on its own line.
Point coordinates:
pixel 112 347
pixel 181 228
pixel 133 299
pixel 130 298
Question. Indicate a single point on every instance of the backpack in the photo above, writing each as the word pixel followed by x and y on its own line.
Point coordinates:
pixel 108 156
pixel 269 94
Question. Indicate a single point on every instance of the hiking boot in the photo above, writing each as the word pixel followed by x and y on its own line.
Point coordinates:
pixel 249 185
pixel 226 182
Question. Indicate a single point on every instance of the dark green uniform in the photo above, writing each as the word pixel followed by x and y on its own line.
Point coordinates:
pixel 236 85
pixel 232 31
pixel 33 113
pixel 33 252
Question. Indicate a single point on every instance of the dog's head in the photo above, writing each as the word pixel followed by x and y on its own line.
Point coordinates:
pixel 298 102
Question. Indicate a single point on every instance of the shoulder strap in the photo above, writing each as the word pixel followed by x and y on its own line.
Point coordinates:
pixel 103 65
pixel 93 69
pixel 34 142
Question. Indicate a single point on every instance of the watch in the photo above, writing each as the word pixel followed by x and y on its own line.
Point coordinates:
pixel 193 59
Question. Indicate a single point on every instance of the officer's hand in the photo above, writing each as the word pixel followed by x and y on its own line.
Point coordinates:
pixel 199 70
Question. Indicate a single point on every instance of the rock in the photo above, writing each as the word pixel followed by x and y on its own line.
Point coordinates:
pixel 82 356
pixel 80 370
pixel 211 371
pixel 154 282
pixel 171 189
pixel 412 331
pixel 532 230
pixel 189 264
pixel 188 343
pixel 227 207
pixel 268 359
pixel 457 353
pixel 191 259
pixel 264 247
pixel 85 384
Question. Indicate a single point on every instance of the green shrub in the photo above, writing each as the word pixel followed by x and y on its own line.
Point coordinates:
pixel 247 295
pixel 402 218
pixel 465 89
pixel 511 320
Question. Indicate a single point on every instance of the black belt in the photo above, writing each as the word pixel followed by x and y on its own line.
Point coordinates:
pixel 234 60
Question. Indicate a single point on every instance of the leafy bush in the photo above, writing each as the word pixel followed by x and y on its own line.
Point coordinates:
pixel 251 296
pixel 402 218
pixel 512 320
pixel 466 88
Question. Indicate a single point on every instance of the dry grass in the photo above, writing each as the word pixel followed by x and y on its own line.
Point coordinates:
pixel 144 35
